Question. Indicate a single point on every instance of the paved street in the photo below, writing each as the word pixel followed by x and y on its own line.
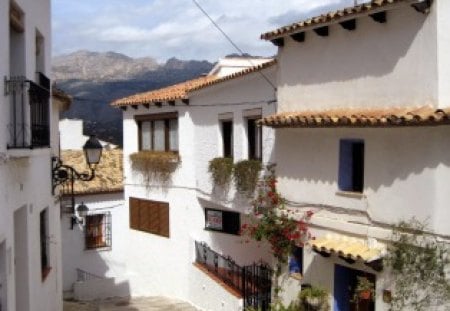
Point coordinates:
pixel 135 304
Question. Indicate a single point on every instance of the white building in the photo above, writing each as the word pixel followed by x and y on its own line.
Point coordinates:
pixel 94 247
pixel 362 133
pixel 205 118
pixel 72 138
pixel 30 248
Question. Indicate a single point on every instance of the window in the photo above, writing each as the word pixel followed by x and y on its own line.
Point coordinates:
pixel 351 165
pixel 149 216
pixel 227 138
pixel 45 258
pixel 158 132
pixel 40 52
pixel 98 231
pixel 222 221
pixel 254 137
pixel 296 261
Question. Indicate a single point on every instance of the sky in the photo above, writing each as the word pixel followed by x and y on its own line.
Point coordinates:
pixel 175 28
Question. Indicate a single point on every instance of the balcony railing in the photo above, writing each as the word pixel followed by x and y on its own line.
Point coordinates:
pixel 253 282
pixel 29 125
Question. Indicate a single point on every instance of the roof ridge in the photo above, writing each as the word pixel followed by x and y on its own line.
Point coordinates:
pixel 330 17
pixel 181 90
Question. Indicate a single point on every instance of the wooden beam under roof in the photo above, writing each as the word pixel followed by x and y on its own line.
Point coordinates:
pixel 278 42
pixel 299 37
pixel 349 24
pixel 380 17
pixel 322 31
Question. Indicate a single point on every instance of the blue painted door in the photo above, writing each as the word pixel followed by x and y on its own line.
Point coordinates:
pixel 342 279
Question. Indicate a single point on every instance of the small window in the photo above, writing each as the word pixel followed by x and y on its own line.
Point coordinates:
pixel 227 138
pixel 222 221
pixel 254 137
pixel 44 237
pixel 158 132
pixel 351 165
pixel 150 216
pixel 296 261
pixel 98 231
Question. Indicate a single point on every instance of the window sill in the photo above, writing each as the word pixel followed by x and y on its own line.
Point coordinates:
pixel 27 152
pixel 351 194
pixel 45 272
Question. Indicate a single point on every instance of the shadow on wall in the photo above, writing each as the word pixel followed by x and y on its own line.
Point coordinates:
pixel 92 273
pixel 374 55
pixel 391 155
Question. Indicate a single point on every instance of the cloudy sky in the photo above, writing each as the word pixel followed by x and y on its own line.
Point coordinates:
pixel 175 28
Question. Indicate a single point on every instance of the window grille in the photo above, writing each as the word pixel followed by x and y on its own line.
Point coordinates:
pixel 98 232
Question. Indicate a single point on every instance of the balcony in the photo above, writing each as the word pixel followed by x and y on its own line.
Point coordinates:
pixel 29 112
pixel 252 283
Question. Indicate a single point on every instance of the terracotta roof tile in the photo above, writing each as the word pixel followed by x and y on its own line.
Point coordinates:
pixel 349 248
pixel 332 17
pixel 108 175
pixel 182 90
pixel 360 117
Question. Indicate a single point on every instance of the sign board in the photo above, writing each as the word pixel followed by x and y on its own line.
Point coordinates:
pixel 214 220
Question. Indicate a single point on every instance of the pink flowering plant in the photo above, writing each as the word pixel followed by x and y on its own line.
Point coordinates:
pixel 271 221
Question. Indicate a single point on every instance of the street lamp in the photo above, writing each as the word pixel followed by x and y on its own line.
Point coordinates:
pixel 82 211
pixel 67 175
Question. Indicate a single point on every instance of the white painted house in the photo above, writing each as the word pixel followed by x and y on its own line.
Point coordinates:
pixel 30 246
pixel 362 133
pixel 94 247
pixel 72 138
pixel 205 118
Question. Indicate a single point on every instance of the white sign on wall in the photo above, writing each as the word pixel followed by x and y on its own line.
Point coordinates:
pixel 214 220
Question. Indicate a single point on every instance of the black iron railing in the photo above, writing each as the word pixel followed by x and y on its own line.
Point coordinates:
pixel 253 282
pixel 29 125
pixel 83 276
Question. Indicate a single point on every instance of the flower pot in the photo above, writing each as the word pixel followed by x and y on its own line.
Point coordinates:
pixel 313 302
pixel 364 295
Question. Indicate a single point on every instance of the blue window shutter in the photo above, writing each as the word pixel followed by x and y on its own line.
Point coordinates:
pixel 345 180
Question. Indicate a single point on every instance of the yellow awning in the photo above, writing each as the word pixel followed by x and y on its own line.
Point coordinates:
pixel 348 248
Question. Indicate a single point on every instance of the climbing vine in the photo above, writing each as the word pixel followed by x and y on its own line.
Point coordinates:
pixel 271 222
pixel 419 263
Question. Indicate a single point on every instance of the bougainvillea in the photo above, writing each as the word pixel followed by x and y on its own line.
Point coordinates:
pixel 272 221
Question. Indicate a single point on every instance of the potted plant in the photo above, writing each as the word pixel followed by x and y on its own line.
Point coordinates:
pixel 221 170
pixel 155 165
pixel 314 298
pixel 246 175
pixel 365 289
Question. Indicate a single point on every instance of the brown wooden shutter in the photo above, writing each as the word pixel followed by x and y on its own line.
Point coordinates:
pixel 150 216
pixel 164 227
pixel 134 213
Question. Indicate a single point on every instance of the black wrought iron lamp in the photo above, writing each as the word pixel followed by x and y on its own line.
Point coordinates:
pixel 66 174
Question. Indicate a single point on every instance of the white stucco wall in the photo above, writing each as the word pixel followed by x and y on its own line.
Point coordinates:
pixel 376 65
pixel 107 263
pixel 405 172
pixel 71 135
pixel 162 266
pixel 25 183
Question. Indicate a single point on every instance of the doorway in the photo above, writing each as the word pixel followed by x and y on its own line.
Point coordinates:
pixel 345 281
pixel 21 269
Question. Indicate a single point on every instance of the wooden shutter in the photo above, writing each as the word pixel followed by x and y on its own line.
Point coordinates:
pixel 164 227
pixel 150 216
pixel 134 213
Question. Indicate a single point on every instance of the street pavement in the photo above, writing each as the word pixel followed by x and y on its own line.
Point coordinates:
pixel 134 304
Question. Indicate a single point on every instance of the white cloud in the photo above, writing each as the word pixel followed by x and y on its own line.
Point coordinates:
pixel 166 28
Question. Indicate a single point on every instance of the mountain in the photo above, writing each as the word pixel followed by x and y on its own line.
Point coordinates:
pixel 95 79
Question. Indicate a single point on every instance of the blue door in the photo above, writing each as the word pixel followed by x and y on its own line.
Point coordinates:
pixel 345 281
pixel 342 287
